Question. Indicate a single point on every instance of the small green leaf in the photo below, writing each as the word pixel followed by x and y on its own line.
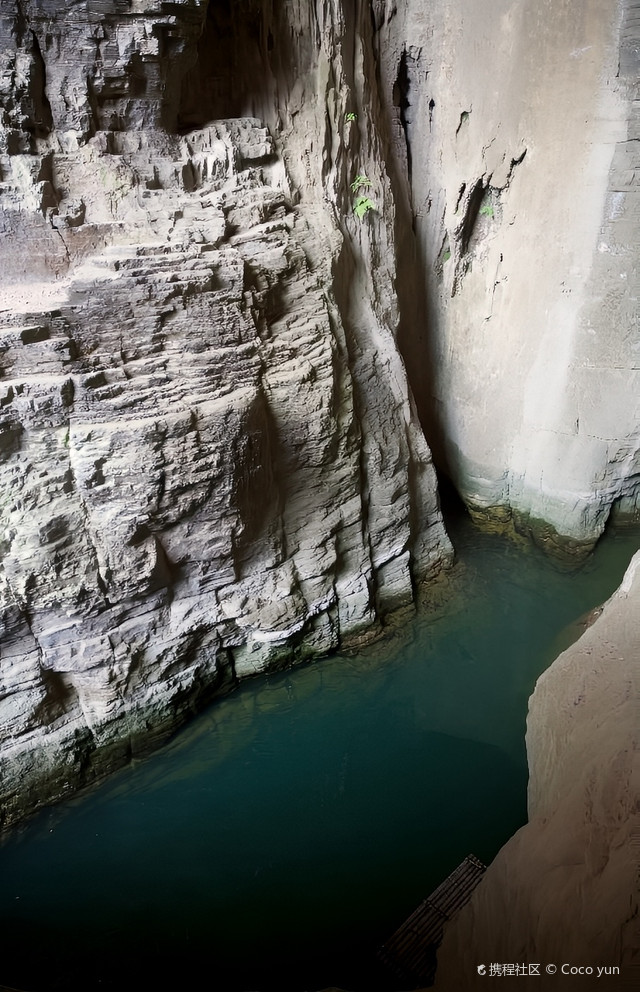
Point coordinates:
pixel 362 206
pixel 486 211
pixel 350 117
pixel 359 182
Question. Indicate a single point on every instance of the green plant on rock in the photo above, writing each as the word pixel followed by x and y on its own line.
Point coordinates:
pixel 350 117
pixel 362 205
pixel 359 182
pixel 487 210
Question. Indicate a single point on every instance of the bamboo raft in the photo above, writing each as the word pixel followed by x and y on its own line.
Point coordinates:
pixel 411 952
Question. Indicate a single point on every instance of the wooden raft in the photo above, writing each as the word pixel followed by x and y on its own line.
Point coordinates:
pixel 411 952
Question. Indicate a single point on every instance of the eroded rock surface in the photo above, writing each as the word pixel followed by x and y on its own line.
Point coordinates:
pixel 211 462
pixel 564 890
pixel 515 134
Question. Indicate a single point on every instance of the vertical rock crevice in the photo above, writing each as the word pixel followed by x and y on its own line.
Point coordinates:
pixel 401 90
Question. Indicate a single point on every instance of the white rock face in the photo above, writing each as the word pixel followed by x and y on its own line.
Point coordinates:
pixel 517 124
pixel 564 889
pixel 211 463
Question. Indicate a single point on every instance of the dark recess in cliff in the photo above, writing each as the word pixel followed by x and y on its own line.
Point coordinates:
pixel 41 119
pixel 231 72
pixel 401 101
pixel 465 230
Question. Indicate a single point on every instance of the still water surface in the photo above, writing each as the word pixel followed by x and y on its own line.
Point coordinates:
pixel 278 840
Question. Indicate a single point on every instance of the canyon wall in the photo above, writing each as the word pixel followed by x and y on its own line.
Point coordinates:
pixel 211 459
pixel 564 890
pixel 516 125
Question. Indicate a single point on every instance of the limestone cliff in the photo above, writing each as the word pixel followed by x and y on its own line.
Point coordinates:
pixel 211 459
pixel 516 127
pixel 211 462
pixel 564 890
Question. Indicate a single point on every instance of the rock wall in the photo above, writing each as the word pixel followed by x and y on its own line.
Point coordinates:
pixel 564 890
pixel 516 127
pixel 211 457
pixel 211 461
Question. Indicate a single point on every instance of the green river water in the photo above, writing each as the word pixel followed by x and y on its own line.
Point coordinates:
pixel 282 836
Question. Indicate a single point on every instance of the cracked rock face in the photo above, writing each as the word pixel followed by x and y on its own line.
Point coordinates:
pixel 211 462
pixel 517 128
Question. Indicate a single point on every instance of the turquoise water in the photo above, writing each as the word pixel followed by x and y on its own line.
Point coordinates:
pixel 295 824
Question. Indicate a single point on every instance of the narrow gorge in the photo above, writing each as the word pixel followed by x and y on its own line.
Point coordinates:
pixel 259 259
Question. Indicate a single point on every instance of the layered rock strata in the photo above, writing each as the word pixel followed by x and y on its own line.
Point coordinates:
pixel 515 134
pixel 564 891
pixel 211 462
